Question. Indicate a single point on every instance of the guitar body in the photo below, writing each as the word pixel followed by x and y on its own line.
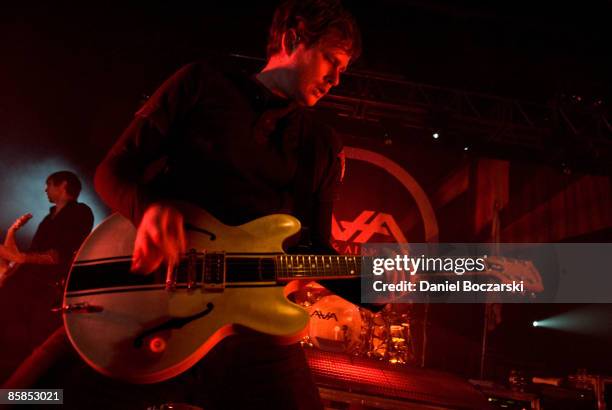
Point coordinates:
pixel 130 327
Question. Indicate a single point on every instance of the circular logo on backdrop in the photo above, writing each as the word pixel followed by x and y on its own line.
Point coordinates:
pixel 379 202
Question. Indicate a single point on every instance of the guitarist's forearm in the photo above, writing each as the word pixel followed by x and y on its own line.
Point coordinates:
pixel 44 258
pixel 119 177
pixel 37 258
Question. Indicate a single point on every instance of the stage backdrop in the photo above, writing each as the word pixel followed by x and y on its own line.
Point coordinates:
pixel 415 192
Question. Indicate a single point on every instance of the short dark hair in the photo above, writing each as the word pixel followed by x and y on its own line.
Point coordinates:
pixel 73 183
pixel 320 17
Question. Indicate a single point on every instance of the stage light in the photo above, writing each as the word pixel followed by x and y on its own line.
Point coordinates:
pixel 435 135
pixel 466 148
pixel 592 320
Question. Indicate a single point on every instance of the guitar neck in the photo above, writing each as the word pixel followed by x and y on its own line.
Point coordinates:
pixel 317 267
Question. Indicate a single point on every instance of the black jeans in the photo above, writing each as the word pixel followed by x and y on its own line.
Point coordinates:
pixel 241 372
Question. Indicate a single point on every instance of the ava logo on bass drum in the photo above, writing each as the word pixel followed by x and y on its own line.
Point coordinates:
pixel 324 315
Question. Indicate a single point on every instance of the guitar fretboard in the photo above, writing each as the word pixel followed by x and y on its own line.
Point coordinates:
pixel 317 267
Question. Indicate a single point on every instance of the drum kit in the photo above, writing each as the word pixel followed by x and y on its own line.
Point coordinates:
pixel 339 326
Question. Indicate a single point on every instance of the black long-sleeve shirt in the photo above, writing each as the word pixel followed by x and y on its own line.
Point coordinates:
pixel 63 233
pixel 221 140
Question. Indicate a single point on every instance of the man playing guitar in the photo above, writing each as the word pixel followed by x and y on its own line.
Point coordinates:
pixel 241 147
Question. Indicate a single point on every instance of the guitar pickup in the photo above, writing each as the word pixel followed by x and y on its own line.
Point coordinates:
pixel 192 261
pixel 213 274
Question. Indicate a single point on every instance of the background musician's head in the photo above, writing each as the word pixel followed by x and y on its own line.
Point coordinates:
pixel 62 186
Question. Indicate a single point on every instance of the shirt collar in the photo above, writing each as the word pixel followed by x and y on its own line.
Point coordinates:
pixel 68 204
pixel 267 100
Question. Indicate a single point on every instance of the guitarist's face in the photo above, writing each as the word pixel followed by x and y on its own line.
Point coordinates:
pixel 55 192
pixel 317 68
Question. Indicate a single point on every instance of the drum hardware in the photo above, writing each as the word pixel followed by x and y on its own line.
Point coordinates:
pixel 339 326
pixel 389 338
pixel 581 380
pixel 518 380
pixel 598 384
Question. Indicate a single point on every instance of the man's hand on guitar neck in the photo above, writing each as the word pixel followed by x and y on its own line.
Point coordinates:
pixel 19 222
pixel 160 238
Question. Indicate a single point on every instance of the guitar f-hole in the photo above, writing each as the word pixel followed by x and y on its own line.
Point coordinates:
pixel 194 228
pixel 173 323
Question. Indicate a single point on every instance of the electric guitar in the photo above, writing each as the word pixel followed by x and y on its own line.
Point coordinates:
pixel 146 329
pixel 7 268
